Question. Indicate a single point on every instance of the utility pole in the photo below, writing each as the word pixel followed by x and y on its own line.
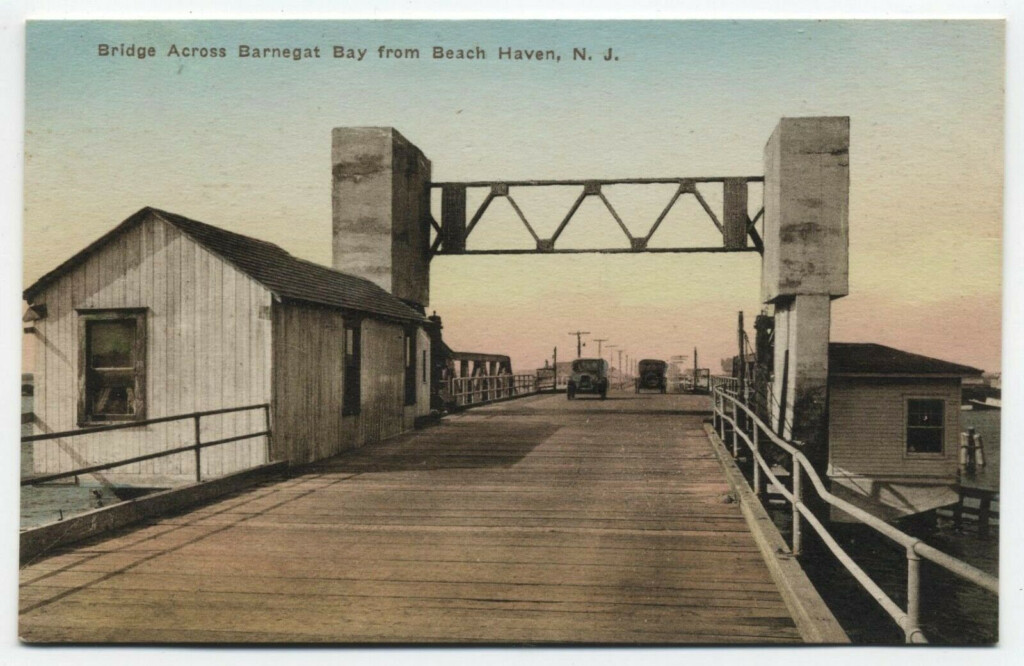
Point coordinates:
pixel 579 341
pixel 599 341
pixel 622 377
pixel 696 371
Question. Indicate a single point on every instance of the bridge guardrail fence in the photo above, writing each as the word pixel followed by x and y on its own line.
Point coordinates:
pixel 754 434
pixel 464 391
pixel 197 445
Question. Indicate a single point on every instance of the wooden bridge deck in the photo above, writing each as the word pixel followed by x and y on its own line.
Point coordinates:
pixel 533 521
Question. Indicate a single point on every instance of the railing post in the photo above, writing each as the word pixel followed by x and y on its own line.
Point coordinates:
pixel 721 420
pixel 266 423
pixel 913 595
pixel 798 499
pixel 757 466
pixel 199 468
pixel 735 429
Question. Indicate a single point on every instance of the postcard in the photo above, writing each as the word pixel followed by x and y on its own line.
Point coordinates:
pixel 503 332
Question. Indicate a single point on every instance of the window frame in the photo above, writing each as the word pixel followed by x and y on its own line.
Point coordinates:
pixel 140 358
pixel 351 398
pixel 942 452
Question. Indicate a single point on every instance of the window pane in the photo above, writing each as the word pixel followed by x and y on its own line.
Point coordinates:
pixel 111 343
pixel 924 413
pixel 111 393
pixel 924 440
pixel 586 365
pixel 925 425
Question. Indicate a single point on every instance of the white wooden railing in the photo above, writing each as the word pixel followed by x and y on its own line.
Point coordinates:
pixel 463 391
pixel 754 434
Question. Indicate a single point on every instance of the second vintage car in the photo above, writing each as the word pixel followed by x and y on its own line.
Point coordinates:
pixel 589 375
pixel 651 375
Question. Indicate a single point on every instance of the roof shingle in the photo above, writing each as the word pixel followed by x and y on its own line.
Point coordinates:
pixel 867 358
pixel 266 263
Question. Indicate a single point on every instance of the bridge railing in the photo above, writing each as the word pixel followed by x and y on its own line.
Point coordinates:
pixel 196 446
pixel 731 384
pixel 463 391
pixel 727 408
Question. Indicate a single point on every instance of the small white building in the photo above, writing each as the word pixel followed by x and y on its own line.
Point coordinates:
pixel 894 428
pixel 164 316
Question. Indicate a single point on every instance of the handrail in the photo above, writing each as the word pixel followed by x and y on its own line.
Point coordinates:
pixel 916 549
pixel 197 446
pixel 136 424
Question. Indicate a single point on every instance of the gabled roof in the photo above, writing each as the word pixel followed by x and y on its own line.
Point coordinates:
pixel 866 358
pixel 284 275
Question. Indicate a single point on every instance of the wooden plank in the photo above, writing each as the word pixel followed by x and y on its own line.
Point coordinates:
pixel 137 439
pixel 568 527
pixel 238 335
pixel 167 280
pixel 187 341
pixel 149 440
pixel 230 392
pixel 218 359
pixel 203 352
pixel 67 374
pixel 46 388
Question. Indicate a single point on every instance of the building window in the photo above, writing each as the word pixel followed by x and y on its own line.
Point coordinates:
pixel 353 368
pixel 410 367
pixel 925 425
pixel 424 353
pixel 112 366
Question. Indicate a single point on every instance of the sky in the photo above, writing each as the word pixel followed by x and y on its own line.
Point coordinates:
pixel 245 145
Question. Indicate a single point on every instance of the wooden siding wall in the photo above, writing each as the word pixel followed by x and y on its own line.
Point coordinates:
pixel 309 363
pixel 207 348
pixel 867 427
pixel 382 403
pixel 309 384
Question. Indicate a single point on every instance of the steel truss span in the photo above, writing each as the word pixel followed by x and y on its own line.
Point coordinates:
pixel 739 230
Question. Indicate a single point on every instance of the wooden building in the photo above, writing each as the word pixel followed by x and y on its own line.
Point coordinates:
pixel 164 316
pixel 894 428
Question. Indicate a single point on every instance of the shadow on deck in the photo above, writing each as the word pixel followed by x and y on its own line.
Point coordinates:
pixel 447 445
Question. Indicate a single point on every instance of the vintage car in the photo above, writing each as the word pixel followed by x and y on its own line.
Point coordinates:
pixel 651 375
pixel 589 375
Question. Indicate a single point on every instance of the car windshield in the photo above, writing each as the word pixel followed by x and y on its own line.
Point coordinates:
pixel 586 365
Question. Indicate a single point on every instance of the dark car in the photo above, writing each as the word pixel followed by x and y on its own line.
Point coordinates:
pixel 651 375
pixel 589 375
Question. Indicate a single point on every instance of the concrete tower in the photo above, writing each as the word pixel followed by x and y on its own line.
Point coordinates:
pixel 381 210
